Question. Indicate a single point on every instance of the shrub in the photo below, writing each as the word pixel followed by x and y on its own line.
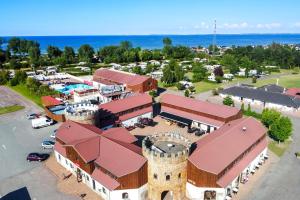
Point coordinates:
pixel 186 93
pixel 228 101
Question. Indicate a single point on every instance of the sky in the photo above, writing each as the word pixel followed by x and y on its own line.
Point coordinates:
pixel 144 17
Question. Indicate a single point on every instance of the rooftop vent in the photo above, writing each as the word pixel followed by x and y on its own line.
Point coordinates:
pixel 244 128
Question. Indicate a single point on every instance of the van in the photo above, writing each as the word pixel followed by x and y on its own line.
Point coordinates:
pixel 41 122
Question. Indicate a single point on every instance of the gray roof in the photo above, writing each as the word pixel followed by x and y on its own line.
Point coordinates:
pixel 262 95
pixel 272 88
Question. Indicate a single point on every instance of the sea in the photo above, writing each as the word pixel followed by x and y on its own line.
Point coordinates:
pixel 155 41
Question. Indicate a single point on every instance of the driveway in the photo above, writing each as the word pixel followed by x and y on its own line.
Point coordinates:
pixel 17 139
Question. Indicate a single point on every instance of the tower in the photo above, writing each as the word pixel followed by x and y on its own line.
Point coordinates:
pixel 167 156
pixel 214 44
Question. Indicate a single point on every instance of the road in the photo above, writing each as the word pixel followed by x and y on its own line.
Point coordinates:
pixel 283 179
pixel 17 139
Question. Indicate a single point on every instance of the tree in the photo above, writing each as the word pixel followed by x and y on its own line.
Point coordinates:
pixel 218 71
pixel 180 86
pixel 34 55
pixel 168 75
pixel 126 45
pixel 186 93
pixel 69 55
pixel 4 77
pixel 14 45
pixel 199 72
pixel 249 108
pixel 137 70
pixel 254 79
pixel 53 52
pixel 281 129
pixel 228 101
pixel 269 116
pixel 167 41
pixel 178 72
pixel 86 53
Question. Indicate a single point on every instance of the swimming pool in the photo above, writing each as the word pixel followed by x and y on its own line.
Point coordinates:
pixel 69 88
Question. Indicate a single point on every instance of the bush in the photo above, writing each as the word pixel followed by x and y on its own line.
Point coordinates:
pixel 215 92
pixel 281 129
pixel 180 86
pixel 254 79
pixel 228 101
pixel 269 116
pixel 186 93
pixel 14 82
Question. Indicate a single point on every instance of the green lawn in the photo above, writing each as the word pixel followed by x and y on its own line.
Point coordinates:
pixel 287 81
pixel 9 109
pixel 23 90
pixel 278 149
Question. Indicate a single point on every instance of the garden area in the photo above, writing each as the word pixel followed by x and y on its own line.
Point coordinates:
pixel 287 81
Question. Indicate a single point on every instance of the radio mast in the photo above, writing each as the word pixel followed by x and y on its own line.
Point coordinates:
pixel 214 38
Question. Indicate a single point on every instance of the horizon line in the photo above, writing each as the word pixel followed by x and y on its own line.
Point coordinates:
pixel 149 34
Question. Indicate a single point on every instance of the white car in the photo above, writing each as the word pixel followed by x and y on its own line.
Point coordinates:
pixel 41 122
pixel 47 144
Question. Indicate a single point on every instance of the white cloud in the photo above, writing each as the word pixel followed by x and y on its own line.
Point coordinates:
pixel 203 25
pixel 296 25
pixel 268 25
pixel 234 25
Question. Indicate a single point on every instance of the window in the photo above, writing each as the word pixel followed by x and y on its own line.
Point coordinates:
pixel 125 195
pixel 103 190
pixel 179 175
pixel 67 162
pixel 71 165
pixel 210 195
pixel 168 177
pixel 87 178
pixel 155 176
pixel 59 158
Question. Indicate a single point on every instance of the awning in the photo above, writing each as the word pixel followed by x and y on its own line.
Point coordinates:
pixel 176 118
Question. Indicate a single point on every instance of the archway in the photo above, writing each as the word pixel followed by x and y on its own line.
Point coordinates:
pixel 167 195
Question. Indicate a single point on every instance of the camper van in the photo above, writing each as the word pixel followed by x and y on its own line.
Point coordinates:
pixel 41 122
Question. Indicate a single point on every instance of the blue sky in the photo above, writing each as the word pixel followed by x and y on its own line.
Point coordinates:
pixel 142 17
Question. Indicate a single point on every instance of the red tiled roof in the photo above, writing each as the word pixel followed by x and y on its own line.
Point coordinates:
pixel 105 179
pixel 118 159
pixel 293 92
pixel 230 175
pixel 119 134
pixel 220 148
pixel 60 149
pixel 119 77
pixel 192 116
pixel 199 106
pixel 127 103
pixel 50 101
pixel 111 149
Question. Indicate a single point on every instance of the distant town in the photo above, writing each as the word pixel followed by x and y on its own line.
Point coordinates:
pixel 121 122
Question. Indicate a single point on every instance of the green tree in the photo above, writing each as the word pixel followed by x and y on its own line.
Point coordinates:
pixel 243 107
pixel 168 75
pixel 281 129
pixel 199 72
pixel 69 55
pixel 53 52
pixel 34 55
pixel 126 45
pixel 186 93
pixel 85 53
pixel 249 108
pixel 14 45
pixel 167 41
pixel 137 70
pixel 178 72
pixel 269 116
pixel 4 77
pixel 228 101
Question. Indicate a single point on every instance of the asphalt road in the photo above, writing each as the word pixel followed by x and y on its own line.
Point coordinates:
pixel 17 139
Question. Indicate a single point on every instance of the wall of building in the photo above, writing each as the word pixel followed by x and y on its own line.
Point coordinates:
pixel 132 121
pixel 197 193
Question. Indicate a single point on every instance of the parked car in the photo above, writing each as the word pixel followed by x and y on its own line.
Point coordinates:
pixel 139 125
pixel 47 144
pixel 199 132
pixel 41 122
pixel 192 130
pixel 32 116
pixel 37 157
pixel 129 128
pixel 53 135
pixel 146 121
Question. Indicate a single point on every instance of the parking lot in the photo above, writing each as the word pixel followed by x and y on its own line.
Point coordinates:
pixel 17 139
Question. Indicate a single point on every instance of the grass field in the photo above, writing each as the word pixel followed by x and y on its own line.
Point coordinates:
pixel 287 81
pixel 9 109
pixel 23 90
pixel 278 149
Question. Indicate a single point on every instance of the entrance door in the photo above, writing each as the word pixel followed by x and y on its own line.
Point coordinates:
pixel 94 185
pixel 167 195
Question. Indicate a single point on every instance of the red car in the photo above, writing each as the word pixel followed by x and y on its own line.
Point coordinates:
pixel 37 157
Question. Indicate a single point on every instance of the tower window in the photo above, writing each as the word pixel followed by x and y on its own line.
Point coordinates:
pixel 168 177
pixel 155 176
